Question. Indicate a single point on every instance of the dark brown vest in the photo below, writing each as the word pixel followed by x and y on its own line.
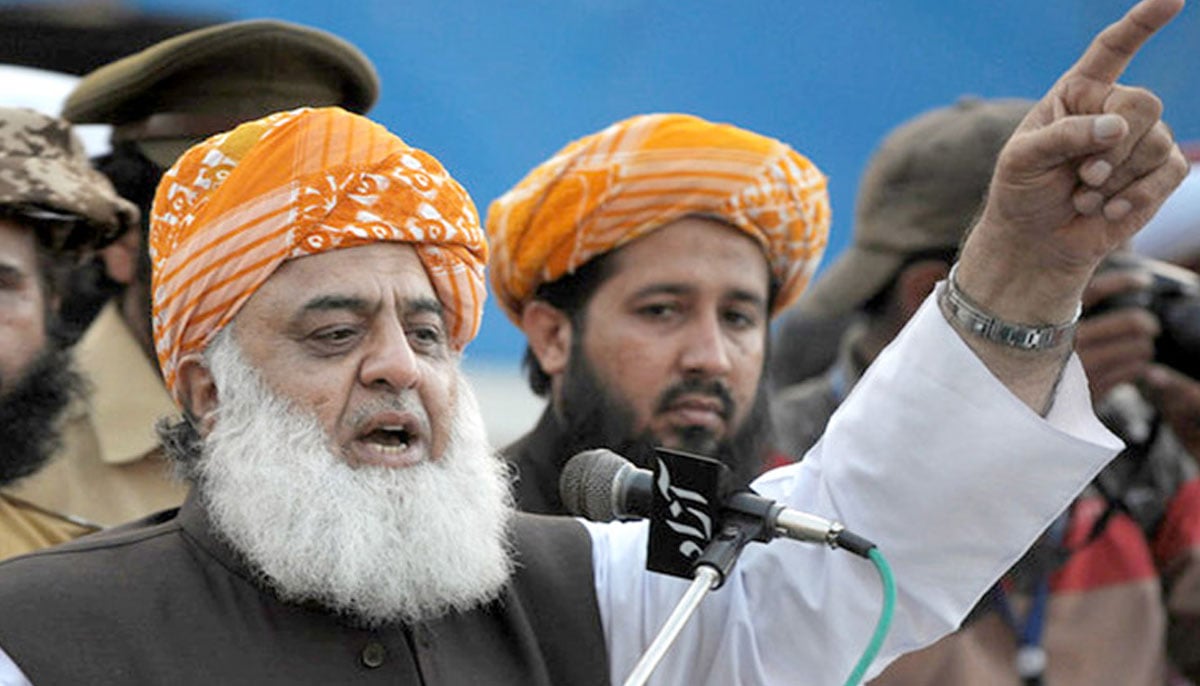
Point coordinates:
pixel 164 602
pixel 538 459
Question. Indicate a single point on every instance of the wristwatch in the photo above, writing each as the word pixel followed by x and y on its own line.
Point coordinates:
pixel 970 317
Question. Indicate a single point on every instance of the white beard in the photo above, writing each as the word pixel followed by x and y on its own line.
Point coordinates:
pixel 375 543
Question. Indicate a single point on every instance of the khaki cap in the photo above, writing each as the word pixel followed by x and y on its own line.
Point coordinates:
pixel 180 91
pixel 44 172
pixel 921 191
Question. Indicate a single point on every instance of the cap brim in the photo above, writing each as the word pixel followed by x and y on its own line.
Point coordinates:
pixel 56 185
pixel 849 282
pixel 130 88
pixel 164 152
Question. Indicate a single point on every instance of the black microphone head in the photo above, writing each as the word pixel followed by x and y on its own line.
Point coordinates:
pixel 587 483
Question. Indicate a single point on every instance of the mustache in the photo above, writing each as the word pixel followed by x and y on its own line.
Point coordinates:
pixel 713 388
pixel 406 403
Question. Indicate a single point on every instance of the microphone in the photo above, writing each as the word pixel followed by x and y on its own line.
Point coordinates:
pixel 600 485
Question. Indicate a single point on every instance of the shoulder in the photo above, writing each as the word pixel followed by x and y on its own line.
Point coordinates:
pixel 26 527
pixel 518 451
pixel 535 483
pixel 108 558
pixel 550 538
pixel 808 396
pixel 800 414
pixel 531 451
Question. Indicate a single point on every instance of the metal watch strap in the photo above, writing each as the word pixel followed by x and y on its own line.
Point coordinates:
pixel 962 311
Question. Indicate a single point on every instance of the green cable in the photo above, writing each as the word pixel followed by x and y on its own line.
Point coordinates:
pixel 885 617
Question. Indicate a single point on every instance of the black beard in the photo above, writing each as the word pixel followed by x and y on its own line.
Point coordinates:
pixel 590 416
pixel 30 408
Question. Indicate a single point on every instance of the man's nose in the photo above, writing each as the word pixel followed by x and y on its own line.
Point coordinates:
pixel 389 360
pixel 706 350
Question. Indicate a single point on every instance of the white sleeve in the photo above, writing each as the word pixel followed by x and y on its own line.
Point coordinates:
pixel 932 459
pixel 10 673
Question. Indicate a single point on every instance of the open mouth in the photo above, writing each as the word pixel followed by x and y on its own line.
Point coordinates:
pixel 394 439
pixel 391 439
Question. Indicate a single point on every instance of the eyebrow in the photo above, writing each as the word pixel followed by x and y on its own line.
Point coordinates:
pixel 678 289
pixel 325 303
pixel 424 304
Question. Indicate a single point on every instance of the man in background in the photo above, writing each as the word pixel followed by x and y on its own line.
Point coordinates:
pixel 159 102
pixel 633 261
pixel 54 208
pixel 920 193
pixel 1086 605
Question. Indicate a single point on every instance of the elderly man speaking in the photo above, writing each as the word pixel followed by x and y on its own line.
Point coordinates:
pixel 315 281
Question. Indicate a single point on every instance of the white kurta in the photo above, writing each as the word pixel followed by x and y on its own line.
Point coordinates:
pixel 931 458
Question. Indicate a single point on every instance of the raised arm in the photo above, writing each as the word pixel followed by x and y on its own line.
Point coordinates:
pixel 1085 170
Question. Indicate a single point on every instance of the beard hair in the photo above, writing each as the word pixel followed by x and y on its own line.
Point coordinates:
pixel 593 416
pixel 30 412
pixel 376 544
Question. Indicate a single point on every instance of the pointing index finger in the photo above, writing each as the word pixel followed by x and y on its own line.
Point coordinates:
pixel 1112 50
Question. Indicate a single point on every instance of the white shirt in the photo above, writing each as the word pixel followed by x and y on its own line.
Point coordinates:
pixel 931 458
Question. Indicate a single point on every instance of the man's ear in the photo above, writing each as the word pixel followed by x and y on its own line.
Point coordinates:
pixel 548 330
pixel 916 282
pixel 121 257
pixel 197 391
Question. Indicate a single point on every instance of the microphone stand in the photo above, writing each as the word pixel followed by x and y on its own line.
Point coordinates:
pixel 707 579
pixel 709 572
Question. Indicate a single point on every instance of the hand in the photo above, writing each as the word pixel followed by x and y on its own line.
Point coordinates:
pixel 1116 346
pixel 1177 397
pixel 1088 166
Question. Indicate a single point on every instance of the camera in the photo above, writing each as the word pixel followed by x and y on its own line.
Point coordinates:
pixel 1173 297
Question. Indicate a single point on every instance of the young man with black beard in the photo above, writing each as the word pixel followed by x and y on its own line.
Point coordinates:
pixel 53 207
pixel 637 274
pixel 592 410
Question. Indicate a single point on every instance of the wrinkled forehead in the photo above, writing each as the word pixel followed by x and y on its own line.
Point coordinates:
pixel 360 278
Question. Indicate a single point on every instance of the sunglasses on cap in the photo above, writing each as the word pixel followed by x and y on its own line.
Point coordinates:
pixel 61 232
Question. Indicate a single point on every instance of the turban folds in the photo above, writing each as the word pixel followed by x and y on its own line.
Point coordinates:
pixel 612 187
pixel 235 207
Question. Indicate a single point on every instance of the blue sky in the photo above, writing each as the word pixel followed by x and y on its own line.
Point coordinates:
pixel 493 88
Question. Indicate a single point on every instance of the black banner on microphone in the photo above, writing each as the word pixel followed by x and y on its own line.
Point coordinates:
pixel 685 512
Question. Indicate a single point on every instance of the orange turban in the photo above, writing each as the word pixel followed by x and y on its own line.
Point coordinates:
pixel 615 186
pixel 235 207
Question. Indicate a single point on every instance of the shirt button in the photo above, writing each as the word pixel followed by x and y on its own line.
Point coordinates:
pixel 373 654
